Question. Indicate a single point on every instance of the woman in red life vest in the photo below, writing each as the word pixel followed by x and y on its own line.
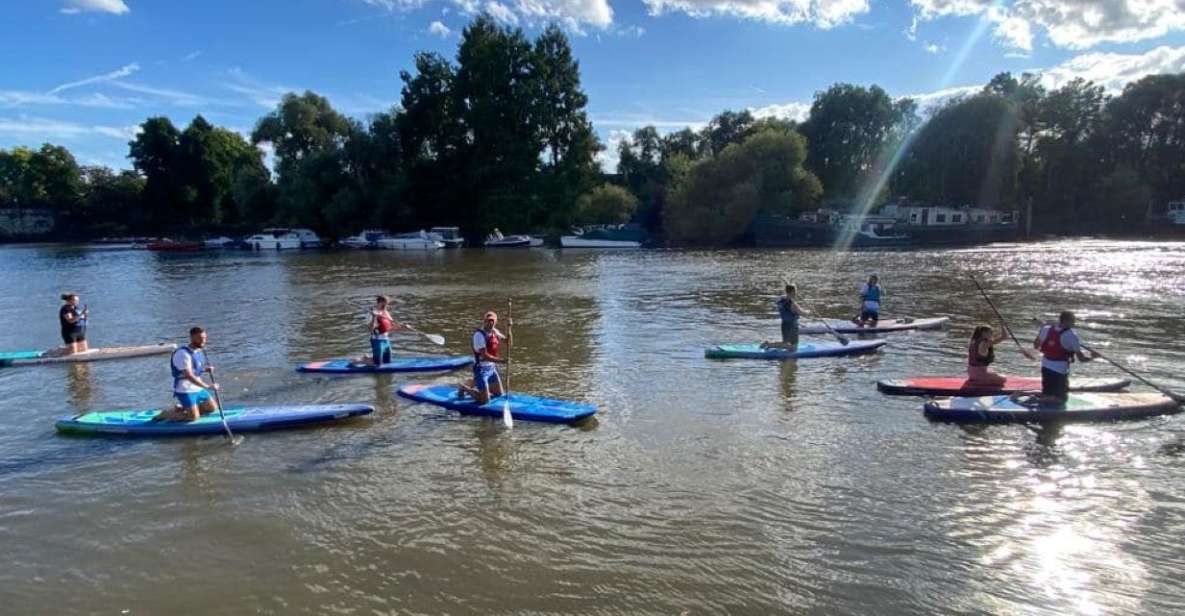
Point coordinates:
pixel 1059 346
pixel 487 351
pixel 381 324
pixel 981 353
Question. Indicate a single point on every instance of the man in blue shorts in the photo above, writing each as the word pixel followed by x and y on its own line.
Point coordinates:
pixel 192 394
pixel 870 302
pixel 486 342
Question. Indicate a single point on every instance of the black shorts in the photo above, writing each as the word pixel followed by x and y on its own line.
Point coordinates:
pixel 869 315
pixel 73 335
pixel 790 333
pixel 1055 384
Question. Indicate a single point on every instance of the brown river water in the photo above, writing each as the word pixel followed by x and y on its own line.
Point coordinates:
pixel 702 486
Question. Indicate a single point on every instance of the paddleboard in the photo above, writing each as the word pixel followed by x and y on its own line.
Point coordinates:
pixel 883 326
pixel 960 386
pixel 806 350
pixel 523 407
pixel 53 356
pixel 397 364
pixel 1025 408
pixel 244 419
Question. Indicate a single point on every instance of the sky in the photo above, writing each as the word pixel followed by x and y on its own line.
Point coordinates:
pixel 85 73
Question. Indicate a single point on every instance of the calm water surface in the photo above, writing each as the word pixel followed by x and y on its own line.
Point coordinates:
pixel 702 487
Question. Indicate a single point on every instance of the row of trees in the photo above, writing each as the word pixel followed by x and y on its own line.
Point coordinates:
pixel 500 137
pixel 1087 162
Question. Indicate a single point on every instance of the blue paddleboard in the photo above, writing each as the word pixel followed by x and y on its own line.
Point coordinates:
pixel 248 419
pixel 523 407
pixel 805 350
pixel 397 364
pixel 1028 408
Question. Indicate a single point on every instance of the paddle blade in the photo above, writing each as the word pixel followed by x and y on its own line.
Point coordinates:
pixel 844 340
pixel 435 339
pixel 507 420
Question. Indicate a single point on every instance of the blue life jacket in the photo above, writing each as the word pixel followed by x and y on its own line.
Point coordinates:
pixel 873 294
pixel 198 358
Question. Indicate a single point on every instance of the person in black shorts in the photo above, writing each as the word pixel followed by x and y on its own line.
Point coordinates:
pixel 73 321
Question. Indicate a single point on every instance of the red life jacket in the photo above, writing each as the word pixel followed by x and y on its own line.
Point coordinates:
pixel 1052 347
pixel 383 323
pixel 491 346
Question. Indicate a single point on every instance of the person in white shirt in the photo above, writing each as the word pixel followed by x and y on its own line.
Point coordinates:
pixel 1059 346
pixel 192 394
pixel 486 344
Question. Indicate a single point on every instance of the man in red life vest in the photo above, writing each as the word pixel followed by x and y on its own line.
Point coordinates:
pixel 487 343
pixel 381 324
pixel 1059 345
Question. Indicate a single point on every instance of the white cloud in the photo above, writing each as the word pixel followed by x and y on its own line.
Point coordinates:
pixel 933 48
pixel 1073 24
pixel 169 96
pixel 1113 71
pixel 126 133
pixel 264 95
pixel 118 73
pixel 797 111
pixel 574 15
pixel 608 157
pixel 115 7
pixel 501 12
pixel 821 13
pixel 439 29
pixel 43 129
pixel 191 55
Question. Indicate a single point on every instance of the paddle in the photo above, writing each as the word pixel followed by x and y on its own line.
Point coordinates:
pixel 1003 323
pixel 838 336
pixel 234 440
pixel 507 420
pixel 1175 396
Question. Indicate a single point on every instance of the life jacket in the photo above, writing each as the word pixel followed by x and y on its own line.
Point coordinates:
pixel 872 294
pixel 1052 347
pixel 383 323
pixel 975 359
pixel 197 358
pixel 491 346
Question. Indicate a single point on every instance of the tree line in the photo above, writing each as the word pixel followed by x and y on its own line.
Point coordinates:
pixel 500 137
pixel 1086 162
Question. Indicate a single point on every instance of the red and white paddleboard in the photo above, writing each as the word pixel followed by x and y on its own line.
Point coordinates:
pixel 960 386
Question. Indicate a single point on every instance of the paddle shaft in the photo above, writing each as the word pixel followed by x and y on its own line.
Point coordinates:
pixel 507 417
pixel 433 338
pixel 1167 392
pixel 1004 323
pixel 218 402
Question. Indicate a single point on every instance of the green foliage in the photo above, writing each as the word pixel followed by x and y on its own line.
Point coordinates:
pixel 716 200
pixel 606 204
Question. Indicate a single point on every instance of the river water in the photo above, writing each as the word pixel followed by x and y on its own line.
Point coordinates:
pixel 702 486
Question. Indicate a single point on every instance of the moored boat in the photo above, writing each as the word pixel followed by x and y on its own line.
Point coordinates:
pixel 168 245
pixel 497 240
pixel 284 239
pixel 416 240
pixel 449 236
pixel 605 236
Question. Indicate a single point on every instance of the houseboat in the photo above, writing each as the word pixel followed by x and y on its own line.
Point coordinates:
pixel 417 240
pixel 284 239
pixel 826 227
pixel 952 225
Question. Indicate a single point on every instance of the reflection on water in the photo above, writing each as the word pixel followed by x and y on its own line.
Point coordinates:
pixel 701 487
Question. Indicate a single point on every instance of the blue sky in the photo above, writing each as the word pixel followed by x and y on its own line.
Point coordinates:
pixel 84 73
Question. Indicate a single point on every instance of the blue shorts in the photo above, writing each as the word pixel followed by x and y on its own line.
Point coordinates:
pixel 484 373
pixel 380 351
pixel 189 400
pixel 870 315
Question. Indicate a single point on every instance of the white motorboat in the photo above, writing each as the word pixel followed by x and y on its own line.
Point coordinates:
pixel 449 236
pixel 417 240
pixel 497 240
pixel 366 240
pixel 606 236
pixel 283 239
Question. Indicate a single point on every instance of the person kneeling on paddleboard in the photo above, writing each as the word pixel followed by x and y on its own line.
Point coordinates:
pixel 381 325
pixel 73 322
pixel 981 353
pixel 486 344
pixel 789 311
pixel 1059 346
pixel 870 306
pixel 192 394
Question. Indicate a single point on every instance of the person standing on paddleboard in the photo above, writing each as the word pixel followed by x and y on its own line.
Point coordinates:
pixel 487 342
pixel 870 302
pixel 73 322
pixel 981 353
pixel 381 325
pixel 789 311
pixel 192 394
pixel 1059 346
